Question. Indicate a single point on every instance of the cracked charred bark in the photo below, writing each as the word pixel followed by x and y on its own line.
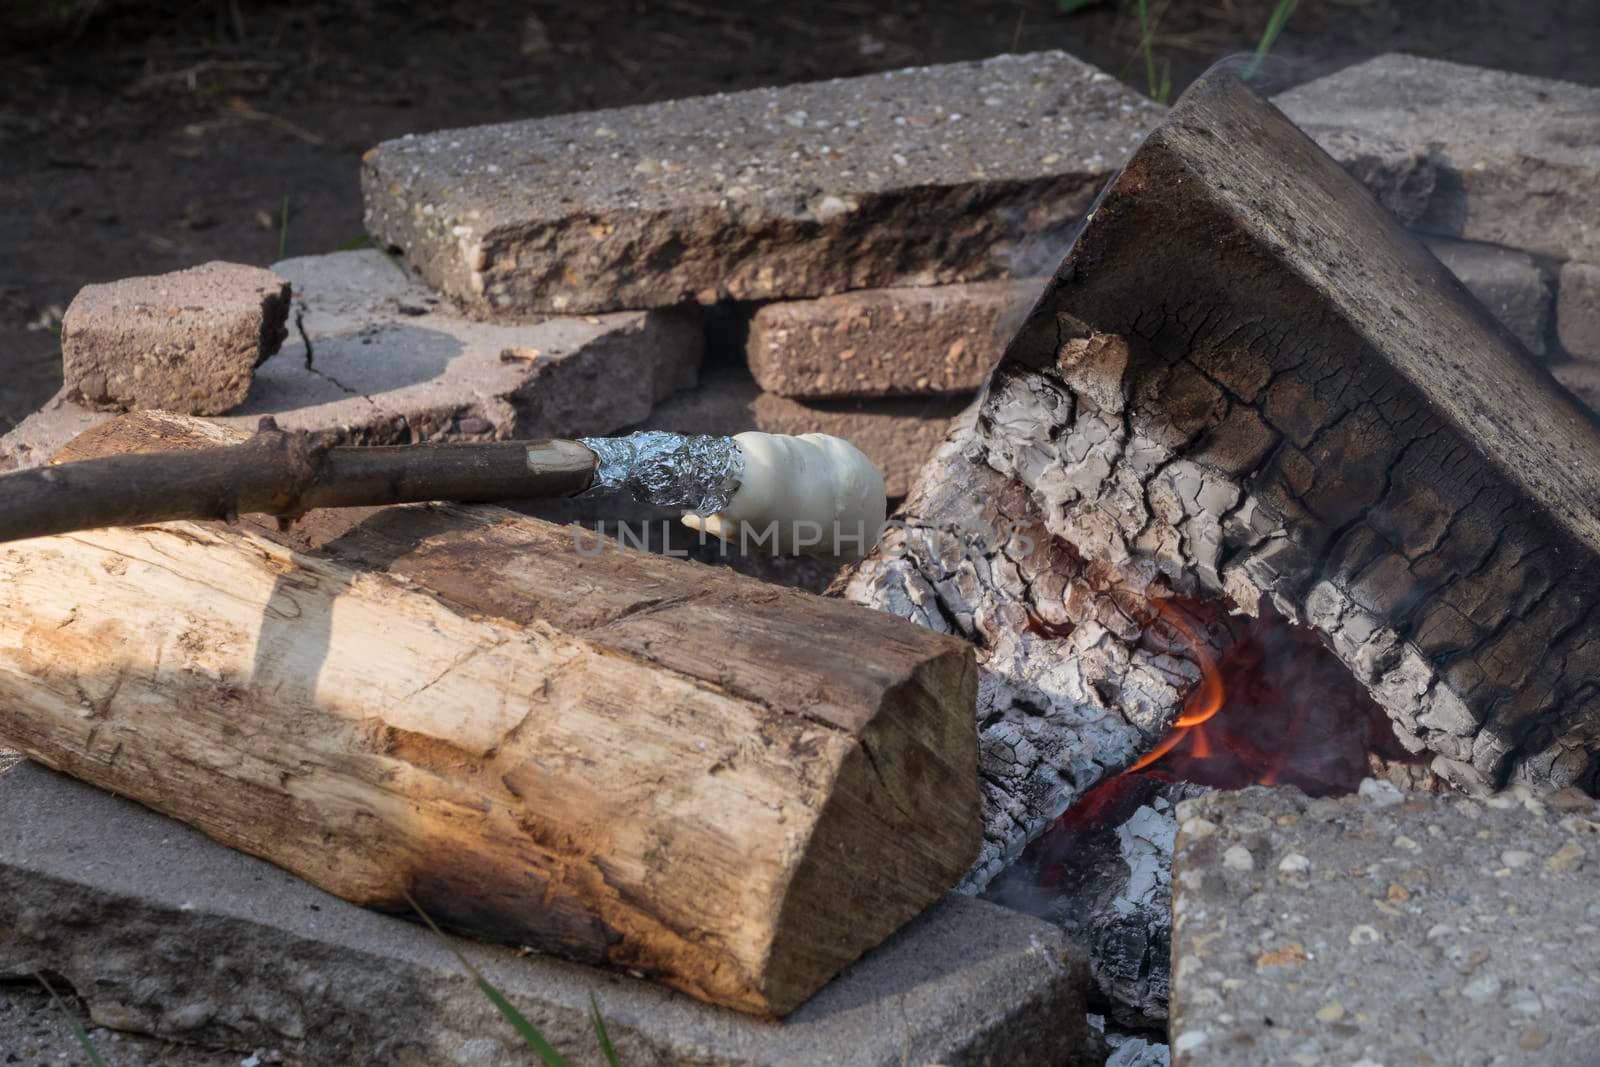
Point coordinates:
pixel 1246 384
pixel 733 788
pixel 1076 677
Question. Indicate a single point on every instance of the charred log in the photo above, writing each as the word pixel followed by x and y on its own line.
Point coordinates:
pixel 1248 387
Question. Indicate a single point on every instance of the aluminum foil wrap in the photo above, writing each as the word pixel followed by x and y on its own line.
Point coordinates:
pixel 669 470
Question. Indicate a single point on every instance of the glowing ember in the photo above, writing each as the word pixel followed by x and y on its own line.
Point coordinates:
pixel 1277 707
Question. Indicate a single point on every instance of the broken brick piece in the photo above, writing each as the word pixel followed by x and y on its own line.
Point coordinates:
pixel 886 342
pixel 188 341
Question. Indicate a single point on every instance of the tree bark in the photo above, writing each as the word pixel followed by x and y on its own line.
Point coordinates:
pixel 729 787
pixel 1247 383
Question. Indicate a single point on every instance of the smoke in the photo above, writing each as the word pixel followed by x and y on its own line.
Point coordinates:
pixel 1277 70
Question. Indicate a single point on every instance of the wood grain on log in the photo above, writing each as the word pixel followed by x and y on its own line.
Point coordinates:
pixel 733 788
pixel 1246 382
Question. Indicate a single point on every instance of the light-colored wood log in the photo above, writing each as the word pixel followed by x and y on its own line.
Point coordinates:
pixel 733 788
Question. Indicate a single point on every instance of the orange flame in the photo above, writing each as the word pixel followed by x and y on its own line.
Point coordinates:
pixel 1200 705
pixel 1274 706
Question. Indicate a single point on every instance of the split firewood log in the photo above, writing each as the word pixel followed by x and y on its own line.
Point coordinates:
pixel 1247 386
pixel 733 788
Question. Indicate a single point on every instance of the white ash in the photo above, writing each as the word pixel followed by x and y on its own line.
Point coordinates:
pixel 1071 686
pixel 1109 885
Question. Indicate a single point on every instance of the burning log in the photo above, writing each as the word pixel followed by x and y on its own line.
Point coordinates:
pixel 626 760
pixel 1247 388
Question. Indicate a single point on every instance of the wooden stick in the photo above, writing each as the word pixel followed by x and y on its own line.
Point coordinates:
pixel 285 474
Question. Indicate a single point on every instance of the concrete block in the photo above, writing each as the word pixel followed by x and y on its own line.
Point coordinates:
pixel 165 932
pixel 897 433
pixel 188 341
pixel 386 360
pixel 381 359
pixel 1385 928
pixel 915 177
pixel 1464 151
pixel 1582 379
pixel 887 342
pixel 1578 310
pixel 1511 284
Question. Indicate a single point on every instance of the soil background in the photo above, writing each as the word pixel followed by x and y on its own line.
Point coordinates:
pixel 141 137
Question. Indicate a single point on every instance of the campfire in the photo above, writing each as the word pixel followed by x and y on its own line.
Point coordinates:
pixel 1291 512
pixel 1274 707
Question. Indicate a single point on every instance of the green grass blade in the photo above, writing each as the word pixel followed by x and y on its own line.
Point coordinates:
pixel 283 226
pixel 526 1030
pixel 607 1049
pixel 1157 75
pixel 72 1020
pixel 1067 7
pixel 1146 47
pixel 355 244
pixel 529 1033
pixel 1275 25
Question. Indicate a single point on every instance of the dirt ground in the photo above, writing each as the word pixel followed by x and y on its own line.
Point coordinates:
pixel 156 134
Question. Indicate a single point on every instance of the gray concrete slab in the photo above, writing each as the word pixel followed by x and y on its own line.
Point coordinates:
pixel 165 932
pixel 42 434
pixel 389 360
pixel 36 1030
pixel 1466 152
pixel 1386 928
pixel 912 177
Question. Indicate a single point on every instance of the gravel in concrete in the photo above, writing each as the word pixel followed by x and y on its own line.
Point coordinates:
pixel 166 932
pixel 914 177
pixel 1385 928
pixel 37 1031
pixel 1578 310
pixel 887 342
pixel 897 433
pixel 1466 152
pixel 1511 284
pixel 188 341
